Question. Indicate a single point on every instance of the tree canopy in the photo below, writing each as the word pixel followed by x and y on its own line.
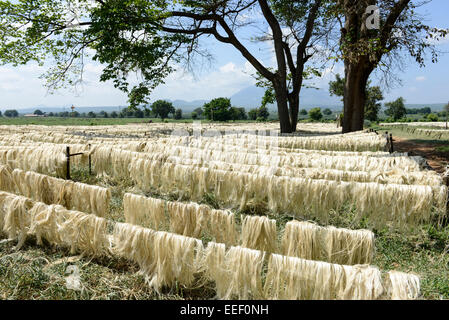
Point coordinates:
pixel 396 109
pixel 162 109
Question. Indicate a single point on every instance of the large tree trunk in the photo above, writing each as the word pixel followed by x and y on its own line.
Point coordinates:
pixel 282 103
pixel 293 101
pixel 355 96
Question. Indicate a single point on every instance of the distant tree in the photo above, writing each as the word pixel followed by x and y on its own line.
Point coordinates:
pixel 147 112
pixel 303 112
pixel 252 114
pixel 64 114
pixel 327 112
pixel 432 117
pixel 238 113
pixel 446 108
pixel 162 108
pixel 75 114
pixel 121 114
pixel 138 113
pixel 178 114
pixel 194 115
pixel 38 112
pixel 0 114
pixel 11 113
pixel 103 114
pixel 396 109
pixel 51 114
pixel 263 113
pixel 199 111
pixel 315 114
pixel 91 114
pixel 218 109
pixel 114 114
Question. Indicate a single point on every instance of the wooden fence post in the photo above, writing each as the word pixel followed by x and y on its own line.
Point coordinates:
pixel 68 163
pixel 90 160
pixel 391 143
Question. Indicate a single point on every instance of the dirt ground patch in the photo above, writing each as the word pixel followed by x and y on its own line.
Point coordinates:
pixel 436 159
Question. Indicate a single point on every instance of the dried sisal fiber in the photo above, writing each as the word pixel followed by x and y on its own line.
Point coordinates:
pixel 291 278
pixel 335 245
pixel 85 233
pixel 188 219
pixel 239 276
pixel 363 282
pixel 222 226
pixel 16 220
pixel 259 233
pixel 45 223
pixel 134 243
pixel 403 286
pixel 72 195
pixel 144 211
pixel 6 181
pixel 165 258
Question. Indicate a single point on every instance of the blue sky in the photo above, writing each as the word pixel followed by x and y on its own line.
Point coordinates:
pixel 229 73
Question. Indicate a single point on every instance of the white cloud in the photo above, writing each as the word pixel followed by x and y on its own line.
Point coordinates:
pixel 421 78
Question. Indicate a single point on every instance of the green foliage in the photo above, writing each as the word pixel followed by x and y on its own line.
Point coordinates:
pixel 194 115
pixel 199 111
pixel 38 112
pixel 263 113
pixel 91 114
pixel 395 109
pixel 425 110
pixel 315 114
pixel 432 117
pixel 178 114
pixel 238 114
pixel 327 112
pixel 218 109
pixel 373 96
pixel 303 112
pixel 11 113
pixel 252 114
pixel 162 109
pixel 114 114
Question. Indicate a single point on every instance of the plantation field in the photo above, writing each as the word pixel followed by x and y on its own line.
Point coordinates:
pixel 228 211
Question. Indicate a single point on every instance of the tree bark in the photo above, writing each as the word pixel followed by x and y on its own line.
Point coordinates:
pixel 282 104
pixel 355 96
pixel 293 101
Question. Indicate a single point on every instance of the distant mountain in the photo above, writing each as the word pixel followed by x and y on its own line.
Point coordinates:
pixel 251 97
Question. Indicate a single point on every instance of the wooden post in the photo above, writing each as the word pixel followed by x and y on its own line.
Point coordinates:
pixel 90 161
pixel 391 143
pixel 68 163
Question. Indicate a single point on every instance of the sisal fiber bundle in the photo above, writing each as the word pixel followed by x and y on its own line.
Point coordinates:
pixel 46 223
pixel 259 233
pixel 6 181
pixel 291 278
pixel 14 217
pixel 188 219
pixel 239 274
pixel 403 286
pixel 72 195
pixel 165 258
pixel 222 227
pixel 144 211
pixel 84 233
pixel 335 245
